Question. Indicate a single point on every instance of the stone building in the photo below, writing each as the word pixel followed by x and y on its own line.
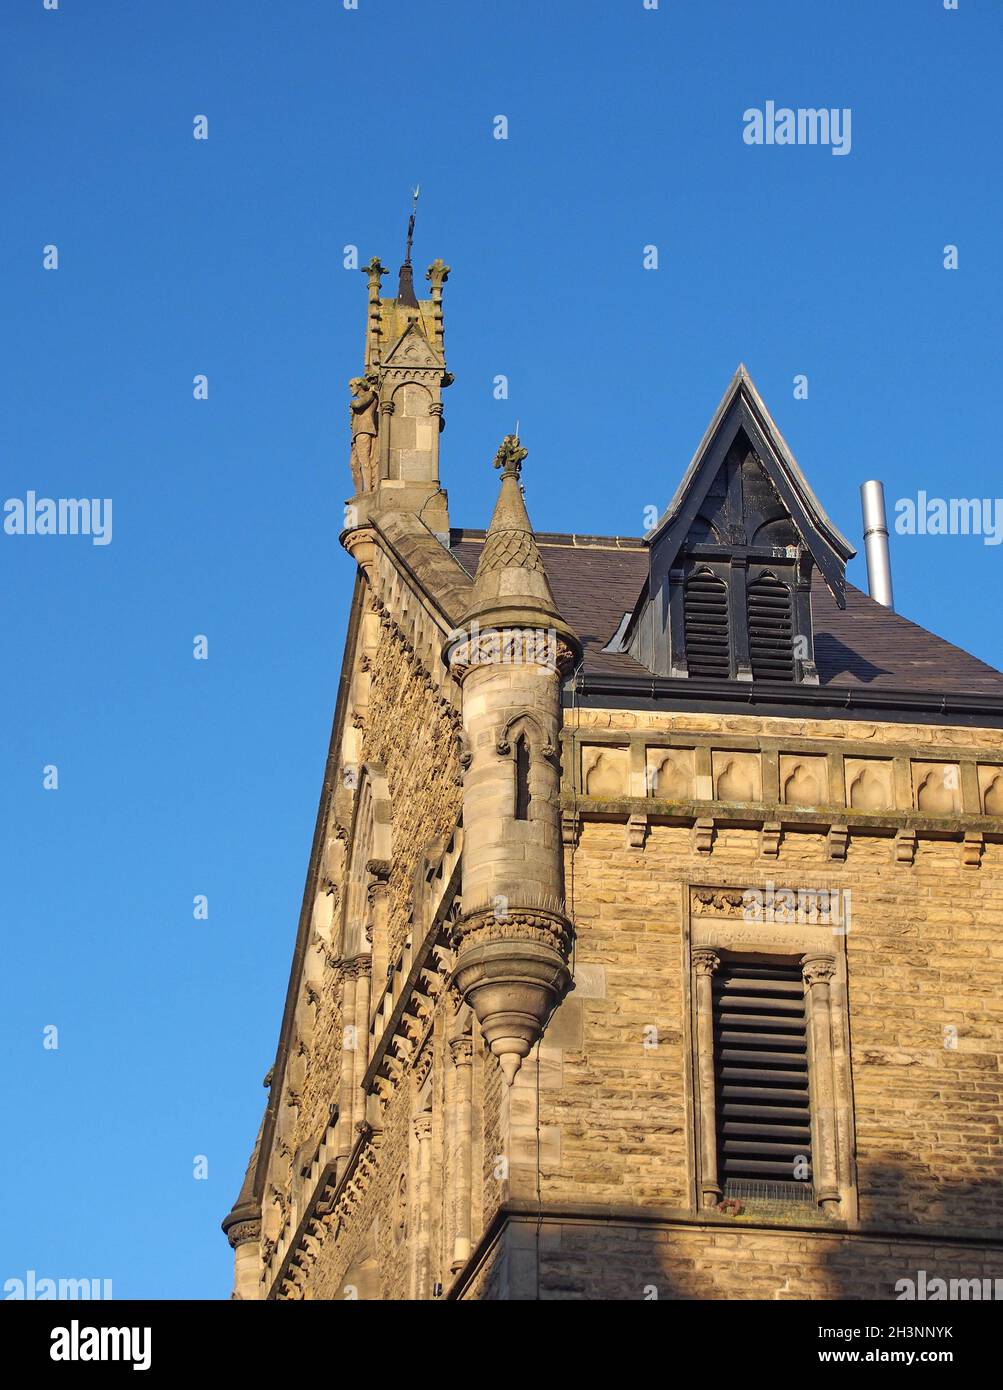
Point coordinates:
pixel 652 939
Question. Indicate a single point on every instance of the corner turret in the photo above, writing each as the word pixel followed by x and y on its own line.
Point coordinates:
pixel 511 655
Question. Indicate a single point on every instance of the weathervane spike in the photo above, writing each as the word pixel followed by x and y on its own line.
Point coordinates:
pixel 410 223
pixel 405 291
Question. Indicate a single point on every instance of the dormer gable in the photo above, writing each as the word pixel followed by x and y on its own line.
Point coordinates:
pixel 728 595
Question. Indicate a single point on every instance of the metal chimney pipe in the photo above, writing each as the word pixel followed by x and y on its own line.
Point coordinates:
pixel 879 569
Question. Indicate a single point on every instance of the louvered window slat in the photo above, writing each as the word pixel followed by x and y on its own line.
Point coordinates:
pixel 761 1076
pixel 771 629
pixel 705 619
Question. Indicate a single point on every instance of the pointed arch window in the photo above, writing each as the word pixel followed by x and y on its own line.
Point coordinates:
pixel 524 743
pixel 522 796
pixel 705 624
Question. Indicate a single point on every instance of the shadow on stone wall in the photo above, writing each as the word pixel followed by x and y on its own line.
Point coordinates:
pixel 596 1261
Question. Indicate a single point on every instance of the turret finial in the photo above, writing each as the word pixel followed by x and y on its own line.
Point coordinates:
pixel 510 456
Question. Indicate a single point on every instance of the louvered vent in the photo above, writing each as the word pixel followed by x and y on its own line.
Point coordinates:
pixel 761 1079
pixel 705 615
pixel 771 643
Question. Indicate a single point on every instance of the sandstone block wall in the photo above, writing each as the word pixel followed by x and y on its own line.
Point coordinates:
pixel 614 1259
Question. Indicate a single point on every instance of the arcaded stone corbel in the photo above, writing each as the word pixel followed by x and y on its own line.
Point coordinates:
pixel 772 834
pixel 637 832
pixel 431 979
pixel 703 835
pixel 972 848
pixel 414 1026
pixel 905 847
pixel 838 839
pixel 444 957
pixel 571 824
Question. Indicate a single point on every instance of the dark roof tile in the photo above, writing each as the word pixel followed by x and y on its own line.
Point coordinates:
pixel 596 580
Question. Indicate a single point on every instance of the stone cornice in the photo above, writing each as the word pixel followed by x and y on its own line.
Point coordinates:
pixel 820 820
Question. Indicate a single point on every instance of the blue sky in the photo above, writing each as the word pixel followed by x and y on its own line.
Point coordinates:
pixel 225 257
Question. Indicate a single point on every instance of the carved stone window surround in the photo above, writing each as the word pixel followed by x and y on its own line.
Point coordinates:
pixel 717 931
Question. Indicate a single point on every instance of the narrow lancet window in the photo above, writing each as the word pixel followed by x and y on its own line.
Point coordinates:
pixel 521 778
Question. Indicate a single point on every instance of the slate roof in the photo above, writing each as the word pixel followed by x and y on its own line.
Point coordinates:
pixel 864 647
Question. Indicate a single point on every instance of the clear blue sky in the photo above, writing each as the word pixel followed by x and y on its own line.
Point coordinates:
pixel 179 777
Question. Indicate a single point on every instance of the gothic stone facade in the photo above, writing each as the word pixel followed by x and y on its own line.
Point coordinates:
pixel 652 941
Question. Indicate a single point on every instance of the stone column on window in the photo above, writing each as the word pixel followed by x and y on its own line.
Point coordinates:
pixel 705 963
pixel 363 967
pixel 387 409
pixel 818 971
pixel 422 1285
pixel 462 1049
pixel 348 1046
pixel 376 928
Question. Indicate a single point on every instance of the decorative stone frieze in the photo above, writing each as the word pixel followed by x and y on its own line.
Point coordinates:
pixel 723 902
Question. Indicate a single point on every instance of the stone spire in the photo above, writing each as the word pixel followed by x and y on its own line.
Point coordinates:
pixel 511 588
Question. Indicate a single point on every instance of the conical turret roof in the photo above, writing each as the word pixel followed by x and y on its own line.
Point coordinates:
pixel 511 588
